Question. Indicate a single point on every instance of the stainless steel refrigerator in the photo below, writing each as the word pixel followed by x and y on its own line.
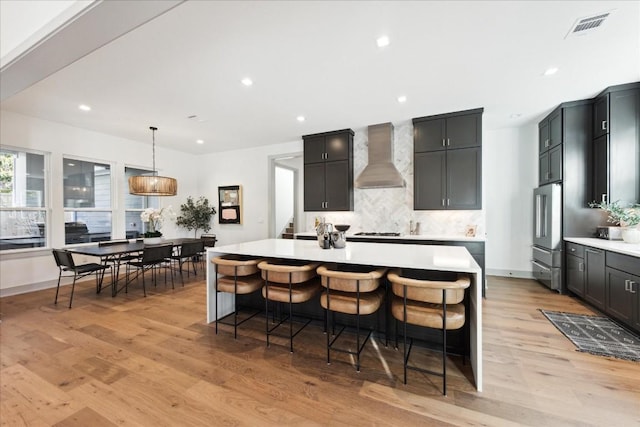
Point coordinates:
pixel 547 236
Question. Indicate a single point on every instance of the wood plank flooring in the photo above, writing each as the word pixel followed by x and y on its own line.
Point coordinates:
pixel 131 360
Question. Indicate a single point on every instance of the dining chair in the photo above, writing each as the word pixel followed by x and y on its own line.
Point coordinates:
pixel 66 264
pixel 153 256
pixel 188 252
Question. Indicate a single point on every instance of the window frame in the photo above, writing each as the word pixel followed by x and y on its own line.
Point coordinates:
pixel 147 200
pixel 113 206
pixel 46 201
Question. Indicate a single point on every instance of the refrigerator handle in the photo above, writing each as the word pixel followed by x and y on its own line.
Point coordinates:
pixel 541 217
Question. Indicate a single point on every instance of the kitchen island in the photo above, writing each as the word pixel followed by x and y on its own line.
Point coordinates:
pixel 421 257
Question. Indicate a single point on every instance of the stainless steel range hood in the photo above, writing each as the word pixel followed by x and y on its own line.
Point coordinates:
pixel 380 172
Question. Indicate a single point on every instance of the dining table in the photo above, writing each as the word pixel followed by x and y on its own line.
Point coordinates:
pixel 115 252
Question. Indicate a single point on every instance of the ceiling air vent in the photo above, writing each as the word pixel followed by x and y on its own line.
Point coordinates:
pixel 587 25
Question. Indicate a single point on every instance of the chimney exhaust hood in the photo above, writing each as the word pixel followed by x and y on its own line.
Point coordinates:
pixel 380 172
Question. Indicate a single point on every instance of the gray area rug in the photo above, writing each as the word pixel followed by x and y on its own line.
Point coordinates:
pixel 596 335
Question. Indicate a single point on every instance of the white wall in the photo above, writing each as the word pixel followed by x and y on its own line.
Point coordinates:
pixel 250 169
pixel 284 188
pixel 20 272
pixel 510 167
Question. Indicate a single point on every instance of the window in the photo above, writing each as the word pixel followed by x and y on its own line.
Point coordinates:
pixel 134 205
pixel 23 201
pixel 87 201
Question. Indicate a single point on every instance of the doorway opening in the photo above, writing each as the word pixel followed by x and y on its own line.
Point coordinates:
pixel 285 213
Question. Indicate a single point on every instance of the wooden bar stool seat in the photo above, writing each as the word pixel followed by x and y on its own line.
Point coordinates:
pixel 431 300
pixel 238 275
pixel 289 282
pixel 353 290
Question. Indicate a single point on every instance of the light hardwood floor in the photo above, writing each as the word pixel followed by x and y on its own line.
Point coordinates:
pixel 131 360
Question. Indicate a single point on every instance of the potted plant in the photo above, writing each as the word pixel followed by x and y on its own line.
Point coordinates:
pixel 196 215
pixel 154 218
pixel 627 216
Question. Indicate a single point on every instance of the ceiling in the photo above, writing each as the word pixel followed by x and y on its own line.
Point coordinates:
pixel 320 60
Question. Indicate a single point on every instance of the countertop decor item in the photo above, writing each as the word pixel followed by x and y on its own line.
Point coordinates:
pixel 196 215
pixel 153 185
pixel 628 217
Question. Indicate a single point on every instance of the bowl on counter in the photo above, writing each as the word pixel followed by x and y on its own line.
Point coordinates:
pixel 342 227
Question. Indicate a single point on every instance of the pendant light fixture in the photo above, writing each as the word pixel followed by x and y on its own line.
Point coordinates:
pixel 153 185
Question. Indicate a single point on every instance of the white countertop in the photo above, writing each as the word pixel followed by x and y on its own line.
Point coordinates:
pixel 619 246
pixel 425 257
pixel 446 238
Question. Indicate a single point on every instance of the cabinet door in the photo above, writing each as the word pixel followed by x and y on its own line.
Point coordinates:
pixel 619 301
pixel 543 136
pixel 543 168
pixel 314 186
pixel 314 149
pixel 337 147
pixel 624 146
pixel 600 171
pixel 555 164
pixel 555 129
pixel 338 193
pixel 575 274
pixel 595 278
pixel 429 135
pixel 464 179
pixel 464 131
pixel 429 180
pixel 601 116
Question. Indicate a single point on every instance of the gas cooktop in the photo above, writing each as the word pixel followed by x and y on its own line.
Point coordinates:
pixel 375 233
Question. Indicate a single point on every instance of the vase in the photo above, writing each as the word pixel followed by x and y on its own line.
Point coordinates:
pixel 631 234
pixel 152 240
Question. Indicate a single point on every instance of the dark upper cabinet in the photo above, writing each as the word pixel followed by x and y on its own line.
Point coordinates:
pixel 328 171
pixel 550 131
pixel 448 161
pixel 429 189
pixel 595 279
pixel 464 178
pixel 601 116
pixel 616 145
pixel 455 130
pixel 550 166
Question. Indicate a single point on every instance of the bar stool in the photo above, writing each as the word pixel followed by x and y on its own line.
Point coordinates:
pixel 431 301
pixel 353 290
pixel 240 276
pixel 291 282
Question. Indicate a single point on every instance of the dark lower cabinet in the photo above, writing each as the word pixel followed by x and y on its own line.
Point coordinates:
pixel 620 301
pixel 610 281
pixel 575 274
pixel 595 280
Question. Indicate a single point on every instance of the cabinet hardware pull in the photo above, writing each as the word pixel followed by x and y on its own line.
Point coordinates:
pixel 581 266
pixel 443 142
pixel 448 202
pixel 448 142
pixel 442 202
pixel 546 142
pixel 631 283
pixel 626 285
pixel 604 198
pixel 573 249
pixel 604 125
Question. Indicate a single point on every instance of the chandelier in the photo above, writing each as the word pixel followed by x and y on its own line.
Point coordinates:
pixel 153 185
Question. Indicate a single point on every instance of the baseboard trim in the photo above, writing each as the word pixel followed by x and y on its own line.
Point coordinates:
pixel 31 287
pixel 519 274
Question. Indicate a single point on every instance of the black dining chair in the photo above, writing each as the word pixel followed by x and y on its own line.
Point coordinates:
pixel 65 263
pixel 189 252
pixel 153 256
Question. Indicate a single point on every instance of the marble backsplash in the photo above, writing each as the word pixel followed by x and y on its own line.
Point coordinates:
pixel 391 209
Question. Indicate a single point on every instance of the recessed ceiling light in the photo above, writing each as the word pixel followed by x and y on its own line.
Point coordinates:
pixel 300 118
pixel 199 141
pixel 382 41
pixel 247 81
pixel 71 164
pixel 84 107
pixel 550 71
pixel 402 99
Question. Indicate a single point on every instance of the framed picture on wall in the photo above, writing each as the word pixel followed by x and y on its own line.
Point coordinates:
pixel 230 204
